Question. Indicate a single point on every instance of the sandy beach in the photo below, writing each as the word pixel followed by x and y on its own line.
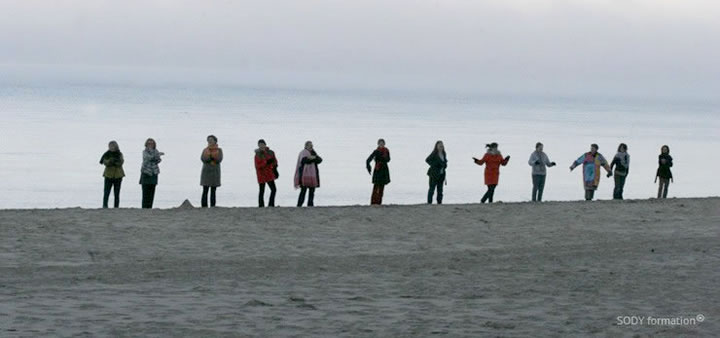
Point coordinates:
pixel 508 270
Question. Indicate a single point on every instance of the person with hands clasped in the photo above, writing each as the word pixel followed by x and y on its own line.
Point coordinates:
pixel 665 162
pixel 149 172
pixel 492 160
pixel 266 169
pixel 211 158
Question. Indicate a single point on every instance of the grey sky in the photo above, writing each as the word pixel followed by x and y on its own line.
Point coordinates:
pixel 645 47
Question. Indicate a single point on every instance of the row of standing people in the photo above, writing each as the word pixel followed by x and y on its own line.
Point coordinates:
pixel 307 175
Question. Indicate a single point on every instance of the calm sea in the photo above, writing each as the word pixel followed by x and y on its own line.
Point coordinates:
pixel 51 139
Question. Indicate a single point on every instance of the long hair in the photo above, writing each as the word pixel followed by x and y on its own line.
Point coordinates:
pixel 435 150
pixel 148 141
pixel 621 146
pixel 113 143
pixel 663 148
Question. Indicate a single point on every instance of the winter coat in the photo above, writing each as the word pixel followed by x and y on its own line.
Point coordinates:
pixel 621 163
pixel 307 173
pixel 591 169
pixel 663 170
pixel 539 162
pixel 492 162
pixel 265 165
pixel 381 172
pixel 210 175
pixel 438 165
pixel 150 170
pixel 113 162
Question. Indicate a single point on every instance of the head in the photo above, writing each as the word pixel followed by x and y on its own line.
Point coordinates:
pixel 492 146
pixel 308 145
pixel 439 147
pixel 150 144
pixel 212 140
pixel 622 148
pixel 665 150
pixel 381 143
pixel 594 148
pixel 262 145
pixel 539 146
pixel 113 146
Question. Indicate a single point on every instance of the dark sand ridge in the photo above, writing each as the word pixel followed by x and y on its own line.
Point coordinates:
pixel 515 269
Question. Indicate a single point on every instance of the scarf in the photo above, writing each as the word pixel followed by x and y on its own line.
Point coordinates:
pixel 212 152
pixel 306 175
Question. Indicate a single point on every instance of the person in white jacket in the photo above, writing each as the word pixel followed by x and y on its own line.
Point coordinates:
pixel 539 162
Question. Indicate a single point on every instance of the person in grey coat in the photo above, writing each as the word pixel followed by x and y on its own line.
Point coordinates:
pixel 149 172
pixel 211 158
pixel 539 163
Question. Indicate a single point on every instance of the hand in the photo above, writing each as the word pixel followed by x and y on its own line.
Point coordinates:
pixel 537 162
pixel 311 157
pixel 475 159
pixel 609 174
pixel 552 164
pixel 507 157
pixel 571 168
pixel 655 180
pixel 369 170
pixel 162 154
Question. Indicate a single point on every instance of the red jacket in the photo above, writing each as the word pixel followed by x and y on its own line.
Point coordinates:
pixel 492 167
pixel 265 164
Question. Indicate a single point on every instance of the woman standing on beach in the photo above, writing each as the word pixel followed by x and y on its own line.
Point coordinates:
pixel 437 160
pixel 307 175
pixel 211 158
pixel 149 172
pixel 493 159
pixel 381 172
pixel 539 163
pixel 665 162
pixel 591 161
pixel 266 168
pixel 621 163
pixel 113 161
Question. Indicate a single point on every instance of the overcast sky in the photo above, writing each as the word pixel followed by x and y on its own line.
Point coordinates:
pixel 653 47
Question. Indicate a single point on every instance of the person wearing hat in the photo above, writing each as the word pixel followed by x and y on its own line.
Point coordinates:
pixel 492 160
pixel 591 162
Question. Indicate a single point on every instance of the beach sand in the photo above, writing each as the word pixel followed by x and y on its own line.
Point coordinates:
pixel 514 269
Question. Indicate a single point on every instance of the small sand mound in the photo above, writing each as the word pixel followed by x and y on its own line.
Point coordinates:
pixel 186 205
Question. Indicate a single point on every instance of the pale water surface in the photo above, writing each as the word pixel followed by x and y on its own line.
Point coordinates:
pixel 51 139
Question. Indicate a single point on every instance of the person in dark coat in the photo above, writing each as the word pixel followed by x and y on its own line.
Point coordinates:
pixel 149 172
pixel 380 173
pixel 493 159
pixel 211 158
pixel 307 174
pixel 113 161
pixel 665 162
pixel 266 169
pixel 621 163
pixel 437 160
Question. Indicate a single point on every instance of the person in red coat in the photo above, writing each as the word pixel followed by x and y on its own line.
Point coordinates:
pixel 266 168
pixel 492 160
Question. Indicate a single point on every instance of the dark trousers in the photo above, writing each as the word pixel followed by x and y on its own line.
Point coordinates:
pixel 619 186
pixel 436 184
pixel 112 184
pixel 377 194
pixel 663 187
pixel 311 197
pixel 589 194
pixel 489 194
pixel 148 195
pixel 261 196
pixel 204 200
pixel 538 187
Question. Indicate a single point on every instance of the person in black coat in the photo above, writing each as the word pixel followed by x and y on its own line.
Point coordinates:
pixel 438 164
pixel 665 162
pixel 381 172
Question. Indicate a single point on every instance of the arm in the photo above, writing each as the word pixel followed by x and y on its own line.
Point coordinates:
pixel 533 159
pixel 369 159
pixel 578 162
pixel 613 163
pixel 505 161
pixel 220 156
pixel 547 161
pixel 480 161
pixel 318 159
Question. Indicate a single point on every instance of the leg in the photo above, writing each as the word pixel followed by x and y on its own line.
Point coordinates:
pixel 311 197
pixel 622 187
pixel 431 190
pixel 381 192
pixel 212 196
pixel 204 198
pixel 666 185
pixel 486 196
pixel 588 196
pixel 116 190
pixel 492 192
pixel 106 192
pixel 145 195
pixel 376 197
pixel 152 195
pixel 301 198
pixel 440 190
pixel 535 187
pixel 541 187
pixel 273 190
pixel 261 195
